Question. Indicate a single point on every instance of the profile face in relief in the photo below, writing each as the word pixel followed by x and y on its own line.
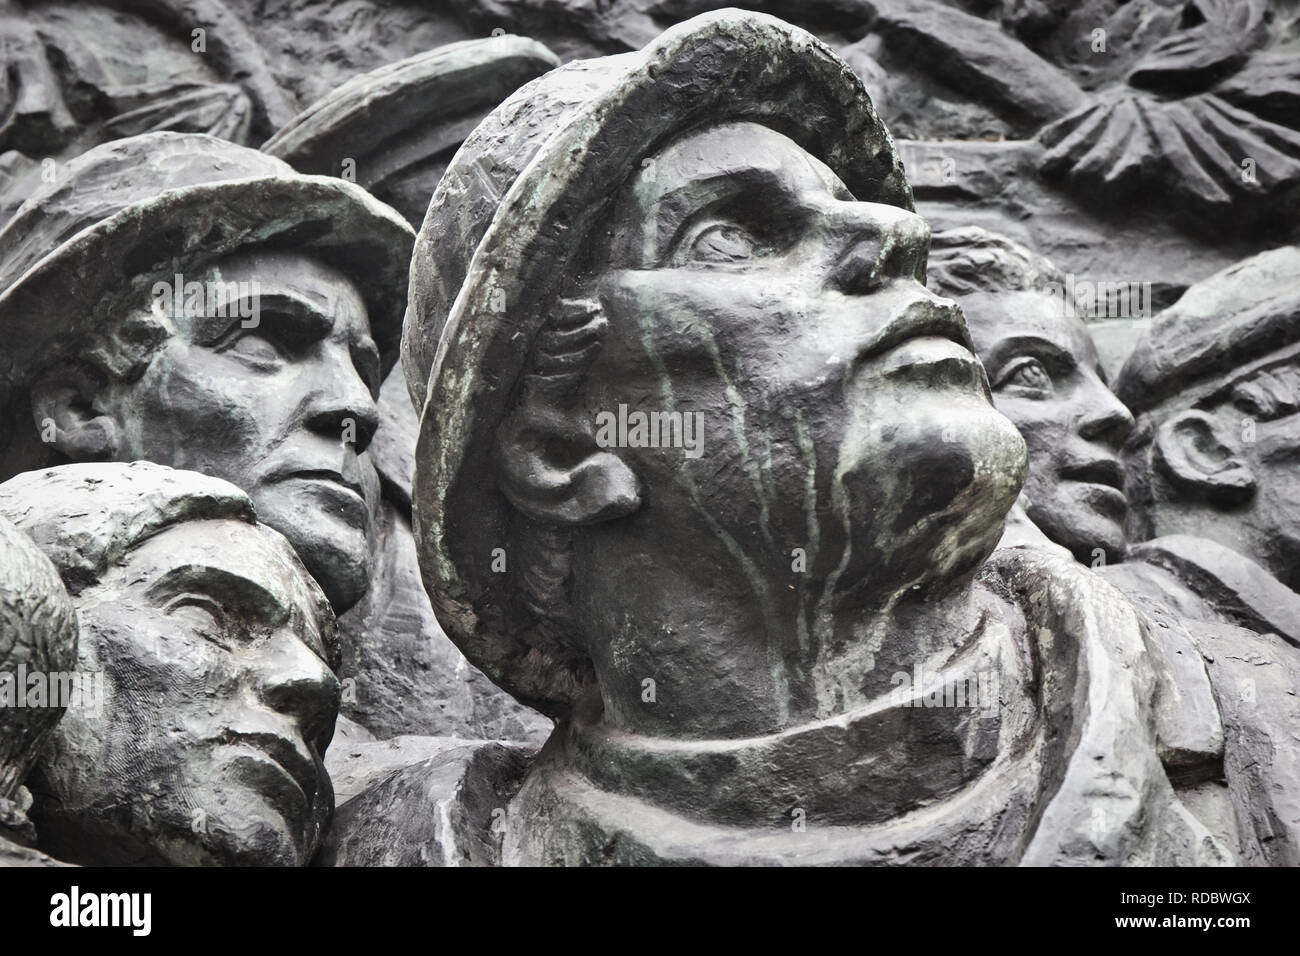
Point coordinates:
pixel 282 405
pixel 1047 379
pixel 219 704
pixel 844 408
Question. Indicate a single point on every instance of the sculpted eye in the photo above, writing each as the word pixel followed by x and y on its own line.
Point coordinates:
pixel 255 349
pixel 199 614
pixel 1027 374
pixel 724 242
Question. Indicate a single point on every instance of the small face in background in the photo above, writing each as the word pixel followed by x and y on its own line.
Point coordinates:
pixel 282 406
pixel 1046 377
pixel 219 704
pixel 1249 431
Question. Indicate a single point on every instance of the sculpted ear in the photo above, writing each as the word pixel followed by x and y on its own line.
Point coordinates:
pixel 1198 454
pixel 63 410
pixel 552 470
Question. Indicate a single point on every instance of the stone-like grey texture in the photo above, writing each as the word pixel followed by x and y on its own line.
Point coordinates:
pixel 356 764
pixel 394 129
pixel 510 196
pixel 985 86
pixel 271 386
pixel 284 414
pixel 38 636
pixel 80 74
pixel 1215 386
pixel 976 55
pixel 409 678
pixel 1047 378
pixel 1071 776
pixel 1196 112
pixel 18 836
pixel 792 642
pixel 427 801
pixel 211 651
pixel 1144 142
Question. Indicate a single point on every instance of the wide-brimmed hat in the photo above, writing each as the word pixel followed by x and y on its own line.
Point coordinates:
pixel 517 202
pixel 135 211
pixel 1224 322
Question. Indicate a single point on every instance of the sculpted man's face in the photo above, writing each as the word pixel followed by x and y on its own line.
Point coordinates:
pixel 271 409
pixel 1047 379
pixel 1267 429
pixel 850 453
pixel 218 707
pixel 1230 465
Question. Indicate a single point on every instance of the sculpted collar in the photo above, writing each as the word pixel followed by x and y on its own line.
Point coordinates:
pixel 933 736
pixel 1067 772
pixel 1237 587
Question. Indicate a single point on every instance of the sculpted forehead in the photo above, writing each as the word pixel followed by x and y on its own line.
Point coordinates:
pixel 246 568
pixel 710 167
pixel 998 321
pixel 297 299
pixel 294 274
pixel 298 288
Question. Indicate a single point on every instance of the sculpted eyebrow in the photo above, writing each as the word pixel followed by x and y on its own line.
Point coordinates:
pixel 1034 345
pixel 288 313
pixel 677 209
pixel 233 591
pixel 1270 392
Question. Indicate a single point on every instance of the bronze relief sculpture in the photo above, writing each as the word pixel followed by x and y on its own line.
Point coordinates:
pixel 1214 386
pixel 816 537
pixel 38 636
pixel 179 318
pixel 1046 377
pixel 700 229
pixel 216 650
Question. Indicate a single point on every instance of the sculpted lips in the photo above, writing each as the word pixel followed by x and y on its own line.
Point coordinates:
pixel 344 494
pixel 289 758
pixel 1105 479
pixel 323 474
pixel 924 317
pixel 928 340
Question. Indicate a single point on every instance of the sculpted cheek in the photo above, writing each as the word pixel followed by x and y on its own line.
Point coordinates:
pixel 182 400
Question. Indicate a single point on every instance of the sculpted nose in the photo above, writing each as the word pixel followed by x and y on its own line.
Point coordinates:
pixel 294 681
pixel 342 406
pixel 879 243
pixel 1105 418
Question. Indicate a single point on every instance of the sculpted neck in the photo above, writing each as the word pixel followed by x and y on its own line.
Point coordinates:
pixel 694 658
pixel 938 728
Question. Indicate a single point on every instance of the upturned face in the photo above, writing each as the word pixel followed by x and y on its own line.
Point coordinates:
pixel 1047 379
pixel 843 410
pixel 284 409
pixel 218 706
